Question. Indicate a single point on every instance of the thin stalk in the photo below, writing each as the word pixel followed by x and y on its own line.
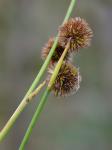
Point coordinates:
pixel 58 66
pixel 43 99
pixel 34 119
pixel 21 107
pixel 35 92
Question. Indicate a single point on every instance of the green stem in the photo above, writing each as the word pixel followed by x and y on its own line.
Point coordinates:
pixel 43 99
pixel 22 105
pixel 58 66
pixel 35 92
pixel 34 119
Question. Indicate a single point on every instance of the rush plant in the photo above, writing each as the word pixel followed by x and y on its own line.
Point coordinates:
pixel 63 77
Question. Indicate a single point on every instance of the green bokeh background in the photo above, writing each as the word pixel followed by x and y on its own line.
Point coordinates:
pixel 79 122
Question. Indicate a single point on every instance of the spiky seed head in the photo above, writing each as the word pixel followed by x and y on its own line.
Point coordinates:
pixel 57 53
pixel 67 81
pixel 78 31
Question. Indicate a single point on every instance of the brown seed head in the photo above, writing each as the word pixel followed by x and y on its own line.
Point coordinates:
pixel 67 81
pixel 57 53
pixel 78 30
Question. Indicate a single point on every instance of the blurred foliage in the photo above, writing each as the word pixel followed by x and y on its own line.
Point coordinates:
pixel 82 121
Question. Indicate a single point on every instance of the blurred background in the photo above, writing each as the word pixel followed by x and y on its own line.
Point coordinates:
pixel 79 122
